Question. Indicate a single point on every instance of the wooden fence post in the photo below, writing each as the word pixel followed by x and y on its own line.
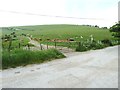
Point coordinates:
pixel 79 44
pixel 40 43
pixel 69 44
pixel 10 44
pixel 28 46
pixel 47 45
pixel 55 43
pixel 41 46
pixel 19 44
pixel 47 42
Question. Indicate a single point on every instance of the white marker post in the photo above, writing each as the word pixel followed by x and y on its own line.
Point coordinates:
pixel 118 48
pixel 119 12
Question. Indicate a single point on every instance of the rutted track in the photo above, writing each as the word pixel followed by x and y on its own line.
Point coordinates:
pixel 66 51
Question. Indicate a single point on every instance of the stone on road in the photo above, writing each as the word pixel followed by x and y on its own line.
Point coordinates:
pixel 92 69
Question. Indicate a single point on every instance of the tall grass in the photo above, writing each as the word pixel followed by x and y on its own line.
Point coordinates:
pixel 21 57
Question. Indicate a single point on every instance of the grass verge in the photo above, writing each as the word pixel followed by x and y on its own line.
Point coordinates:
pixel 21 57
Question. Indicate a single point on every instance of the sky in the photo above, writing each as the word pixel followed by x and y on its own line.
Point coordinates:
pixel 103 13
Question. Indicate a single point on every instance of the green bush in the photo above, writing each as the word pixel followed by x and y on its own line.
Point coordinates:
pixel 21 57
pixel 95 45
pixel 107 42
pixel 115 42
pixel 81 48
pixel 92 45
pixel 85 46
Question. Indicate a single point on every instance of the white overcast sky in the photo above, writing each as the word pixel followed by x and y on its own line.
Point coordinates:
pixel 105 12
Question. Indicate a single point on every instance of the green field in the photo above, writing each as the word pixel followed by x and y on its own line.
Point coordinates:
pixel 62 31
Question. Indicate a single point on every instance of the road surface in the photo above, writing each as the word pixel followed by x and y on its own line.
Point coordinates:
pixel 92 69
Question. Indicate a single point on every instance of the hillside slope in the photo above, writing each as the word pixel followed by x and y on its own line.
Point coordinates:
pixel 62 31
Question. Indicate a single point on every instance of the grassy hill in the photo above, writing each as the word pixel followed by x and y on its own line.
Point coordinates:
pixel 62 31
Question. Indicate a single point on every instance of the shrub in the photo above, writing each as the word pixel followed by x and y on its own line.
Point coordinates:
pixel 92 45
pixel 98 46
pixel 85 46
pixel 107 42
pixel 81 48
pixel 95 45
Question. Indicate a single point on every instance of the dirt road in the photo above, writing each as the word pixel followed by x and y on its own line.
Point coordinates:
pixel 37 46
pixel 92 69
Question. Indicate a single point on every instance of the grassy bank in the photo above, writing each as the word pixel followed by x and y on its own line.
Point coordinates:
pixel 24 57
